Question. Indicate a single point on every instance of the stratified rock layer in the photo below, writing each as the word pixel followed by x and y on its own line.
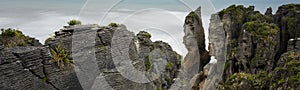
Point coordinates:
pixel 30 67
pixel 258 47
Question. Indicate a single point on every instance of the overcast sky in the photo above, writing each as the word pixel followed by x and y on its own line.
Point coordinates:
pixel 162 18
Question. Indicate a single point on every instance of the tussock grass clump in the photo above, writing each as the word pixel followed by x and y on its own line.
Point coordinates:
pixel 74 22
pixel 113 25
pixel 60 56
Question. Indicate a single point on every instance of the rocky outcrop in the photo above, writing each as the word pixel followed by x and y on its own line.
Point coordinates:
pixel 269 11
pixel 197 56
pixel 252 51
pixel 261 51
pixel 19 74
pixel 31 67
pixel 13 37
pixel 143 54
pixel 287 18
pixel 256 45
pixel 25 65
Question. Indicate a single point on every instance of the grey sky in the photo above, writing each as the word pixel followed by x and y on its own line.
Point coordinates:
pixel 162 18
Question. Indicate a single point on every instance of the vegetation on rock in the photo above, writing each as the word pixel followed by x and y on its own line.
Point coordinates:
pixel 48 39
pixel 146 34
pixel 258 81
pixel 261 29
pixel 169 65
pixel 74 22
pixel 192 14
pixel 266 63
pixel 147 64
pixel 260 17
pixel 60 56
pixel 235 12
pixel 291 23
pixel 9 32
pixel 113 25
pixel 14 37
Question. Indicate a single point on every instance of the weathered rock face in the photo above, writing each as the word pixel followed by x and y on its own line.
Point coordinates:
pixel 287 18
pixel 261 50
pixel 258 48
pixel 197 56
pixel 25 65
pixel 261 53
pixel 29 68
pixel 269 11
pixel 13 37
pixel 18 74
pixel 217 49
pixel 143 54
pixel 286 73
pixel 252 40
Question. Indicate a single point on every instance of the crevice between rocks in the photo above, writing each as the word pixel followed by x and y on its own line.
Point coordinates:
pixel 33 73
pixel 44 70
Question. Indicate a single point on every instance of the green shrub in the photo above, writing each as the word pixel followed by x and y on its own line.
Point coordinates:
pixel 192 14
pixel 14 37
pixel 146 34
pixel 60 56
pixel 159 88
pixel 74 22
pixel 291 23
pixel 235 12
pixel 261 29
pixel 147 64
pixel 102 47
pixel 8 32
pixel 113 25
pixel 44 79
pixel 169 80
pixel 48 39
pixel 169 65
pixel 260 17
pixel 21 44
pixel 233 81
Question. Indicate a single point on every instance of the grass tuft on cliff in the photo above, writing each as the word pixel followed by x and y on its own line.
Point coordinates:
pixel 14 37
pixel 113 24
pixel 192 14
pixel 60 56
pixel 144 33
pixel 74 22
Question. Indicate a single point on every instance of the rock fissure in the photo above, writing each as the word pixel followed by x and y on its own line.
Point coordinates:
pixel 33 73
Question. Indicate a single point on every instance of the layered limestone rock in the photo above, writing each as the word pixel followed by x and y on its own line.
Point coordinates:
pixel 261 53
pixel 218 49
pixel 25 65
pixel 197 56
pixel 287 18
pixel 142 53
pixel 255 47
pixel 31 67
pixel 14 37
pixel 258 47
